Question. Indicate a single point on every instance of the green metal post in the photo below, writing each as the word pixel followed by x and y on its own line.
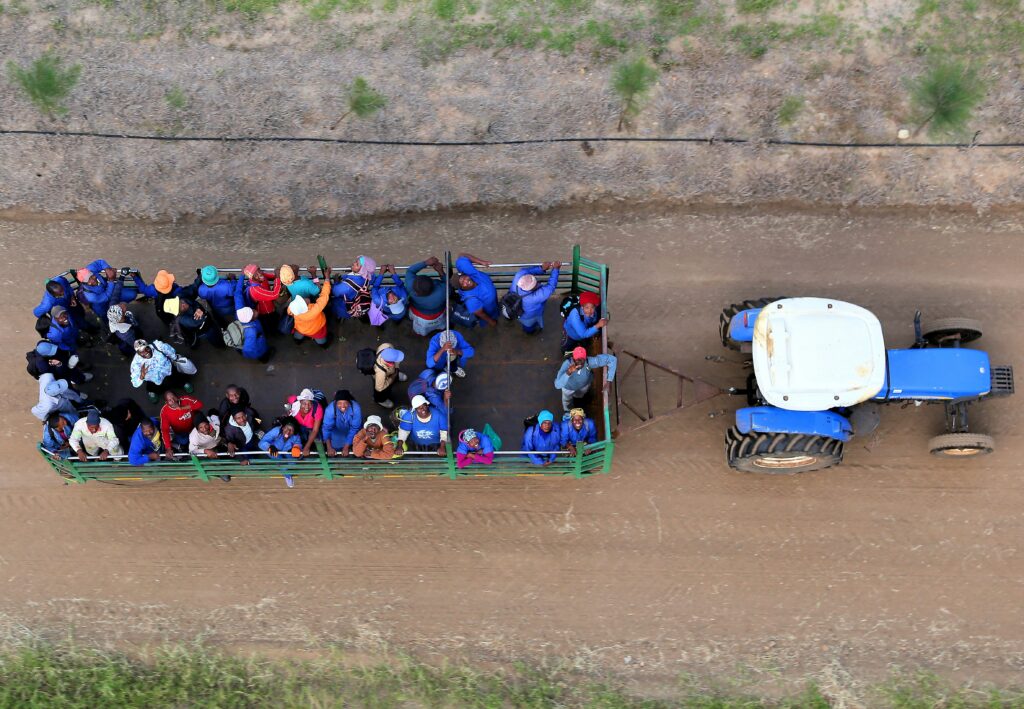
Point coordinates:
pixel 198 465
pixel 608 450
pixel 577 467
pixel 325 464
pixel 449 456
pixel 575 268
pixel 59 466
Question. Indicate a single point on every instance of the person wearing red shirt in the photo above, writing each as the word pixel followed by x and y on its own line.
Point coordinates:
pixel 176 419
pixel 263 291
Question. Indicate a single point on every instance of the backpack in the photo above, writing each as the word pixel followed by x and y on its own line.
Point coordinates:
pixel 360 303
pixel 568 304
pixel 366 358
pixel 31 367
pixel 234 335
pixel 460 315
pixel 511 305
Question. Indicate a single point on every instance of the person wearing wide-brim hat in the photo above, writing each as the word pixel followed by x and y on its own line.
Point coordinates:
pixel 372 441
pixel 386 373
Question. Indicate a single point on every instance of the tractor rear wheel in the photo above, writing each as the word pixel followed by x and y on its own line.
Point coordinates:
pixel 781 453
pixel 961 445
pixel 725 319
pixel 945 332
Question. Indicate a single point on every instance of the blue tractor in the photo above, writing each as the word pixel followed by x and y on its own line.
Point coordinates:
pixel 821 371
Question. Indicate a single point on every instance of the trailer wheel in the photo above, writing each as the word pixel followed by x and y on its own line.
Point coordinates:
pixel 961 445
pixel 947 331
pixel 780 453
pixel 728 313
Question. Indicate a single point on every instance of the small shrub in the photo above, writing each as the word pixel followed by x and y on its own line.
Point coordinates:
pixel 754 40
pixel 749 6
pixel 46 82
pixel 362 100
pixel 790 109
pixel 176 98
pixel 250 8
pixel 944 97
pixel 632 81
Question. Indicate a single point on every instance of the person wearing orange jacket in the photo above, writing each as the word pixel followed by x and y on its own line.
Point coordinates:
pixel 310 320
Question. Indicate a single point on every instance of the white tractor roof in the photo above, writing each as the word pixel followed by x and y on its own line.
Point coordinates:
pixel 813 354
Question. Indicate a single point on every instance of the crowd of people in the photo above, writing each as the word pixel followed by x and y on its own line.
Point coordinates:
pixel 99 303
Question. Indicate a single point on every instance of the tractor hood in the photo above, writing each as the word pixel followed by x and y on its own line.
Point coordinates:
pixel 813 354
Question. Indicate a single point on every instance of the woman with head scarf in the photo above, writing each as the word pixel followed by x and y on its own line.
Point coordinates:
pixel 309 318
pixel 543 440
pixel 582 323
pixel 342 421
pixel 309 414
pixel 577 430
pixel 352 295
pixel 389 301
pixel 473 449
pixel 124 327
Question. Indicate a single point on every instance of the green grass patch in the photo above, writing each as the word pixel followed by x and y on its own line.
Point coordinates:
pixel 790 109
pixel 46 82
pixel 751 6
pixel 176 98
pixel 250 8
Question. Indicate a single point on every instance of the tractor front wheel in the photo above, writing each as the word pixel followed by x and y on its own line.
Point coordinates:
pixel 781 453
pixel 946 332
pixel 961 445
pixel 725 319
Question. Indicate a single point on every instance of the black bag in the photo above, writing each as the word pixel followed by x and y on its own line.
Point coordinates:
pixel 461 316
pixel 530 421
pixel 43 325
pixel 366 358
pixel 286 324
pixel 31 368
pixel 511 306
pixel 568 304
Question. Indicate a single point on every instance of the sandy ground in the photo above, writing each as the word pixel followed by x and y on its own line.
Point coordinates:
pixel 669 564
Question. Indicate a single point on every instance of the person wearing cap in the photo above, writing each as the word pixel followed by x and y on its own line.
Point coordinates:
pixel 299 284
pixel 477 289
pixel 194 321
pixel 165 286
pixel 452 345
pixel 219 293
pixel 309 318
pixel 283 440
pixel 576 374
pixel 473 449
pixel 391 300
pixel 342 421
pixel 352 295
pixel 49 359
pixel 254 338
pixel 431 383
pixel 577 429
pixel 262 290
pixel 177 419
pixel 93 435
pixel 63 332
pixel 147 444
pixel 57 433
pixel 55 395
pixel 309 414
pixel 543 440
pixel 386 373
pixel 427 427
pixel 204 439
pixel 372 441
pixel 427 296
pixel 527 286
pixel 124 327
pixel 582 323
pixel 153 365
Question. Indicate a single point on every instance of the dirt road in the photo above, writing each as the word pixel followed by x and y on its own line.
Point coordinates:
pixel 670 563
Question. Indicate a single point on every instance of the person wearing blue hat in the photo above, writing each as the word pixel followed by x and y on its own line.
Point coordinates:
pixel 386 373
pixel 47 358
pixel 433 385
pixel 55 395
pixel 219 293
pixel 544 438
